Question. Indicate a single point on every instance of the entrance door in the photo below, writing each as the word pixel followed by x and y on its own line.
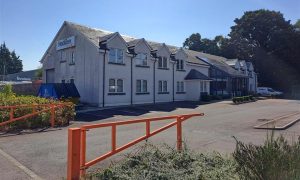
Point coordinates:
pixel 50 73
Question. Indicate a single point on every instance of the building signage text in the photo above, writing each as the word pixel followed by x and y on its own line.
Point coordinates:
pixel 65 43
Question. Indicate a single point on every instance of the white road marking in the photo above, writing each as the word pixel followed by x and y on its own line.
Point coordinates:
pixel 20 166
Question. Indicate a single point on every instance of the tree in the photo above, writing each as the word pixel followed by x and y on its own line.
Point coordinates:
pixel 263 37
pixel 194 42
pixel 9 61
pixel 297 24
pixel 271 43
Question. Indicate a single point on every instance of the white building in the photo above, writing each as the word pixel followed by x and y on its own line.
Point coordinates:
pixel 245 67
pixel 110 69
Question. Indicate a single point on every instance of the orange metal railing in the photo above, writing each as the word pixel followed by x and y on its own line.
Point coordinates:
pixel 34 107
pixel 77 164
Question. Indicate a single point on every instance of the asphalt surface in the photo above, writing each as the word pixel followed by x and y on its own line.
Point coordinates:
pixel 45 153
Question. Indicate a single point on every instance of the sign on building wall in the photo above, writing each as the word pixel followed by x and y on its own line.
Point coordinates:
pixel 65 43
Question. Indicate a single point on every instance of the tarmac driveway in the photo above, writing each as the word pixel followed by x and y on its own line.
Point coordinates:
pixel 45 153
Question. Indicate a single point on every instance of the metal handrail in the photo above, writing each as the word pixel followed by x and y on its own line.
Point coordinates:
pixel 77 164
pixel 51 108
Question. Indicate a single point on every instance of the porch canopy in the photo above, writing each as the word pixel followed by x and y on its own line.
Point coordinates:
pixel 196 75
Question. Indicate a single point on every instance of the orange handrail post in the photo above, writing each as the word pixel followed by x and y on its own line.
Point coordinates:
pixel 148 128
pixel 52 118
pixel 77 170
pixel 74 135
pixel 82 151
pixel 179 134
pixel 11 114
pixel 113 138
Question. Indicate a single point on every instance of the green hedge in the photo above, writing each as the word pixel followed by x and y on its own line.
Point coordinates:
pixel 243 99
pixel 7 98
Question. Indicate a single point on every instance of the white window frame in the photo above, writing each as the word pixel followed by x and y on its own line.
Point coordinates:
pixel 115 88
pixel 163 62
pixel 180 86
pixel 72 59
pixel 140 88
pixel 180 64
pixel 63 55
pixel 162 86
pixel 140 61
pixel 116 52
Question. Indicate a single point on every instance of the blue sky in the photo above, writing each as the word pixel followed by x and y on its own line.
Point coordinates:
pixel 28 26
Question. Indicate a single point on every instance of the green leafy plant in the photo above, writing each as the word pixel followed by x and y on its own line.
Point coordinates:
pixel 277 159
pixel 165 162
pixel 7 98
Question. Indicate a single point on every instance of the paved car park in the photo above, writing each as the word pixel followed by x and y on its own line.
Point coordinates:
pixel 45 153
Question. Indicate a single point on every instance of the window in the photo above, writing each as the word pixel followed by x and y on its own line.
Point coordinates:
pixel 180 86
pixel 63 81
pixel 162 86
pixel 162 62
pixel 180 64
pixel 63 56
pixel 72 81
pixel 72 58
pixel 115 56
pixel 203 86
pixel 141 59
pixel 115 85
pixel 141 86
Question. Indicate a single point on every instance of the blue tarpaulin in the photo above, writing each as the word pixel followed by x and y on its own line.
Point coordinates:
pixel 58 90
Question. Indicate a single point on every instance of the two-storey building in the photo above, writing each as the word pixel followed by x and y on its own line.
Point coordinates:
pixel 111 69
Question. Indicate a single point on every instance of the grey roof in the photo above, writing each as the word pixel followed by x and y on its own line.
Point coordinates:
pixel 220 63
pixel 94 35
pixel 231 62
pixel 196 75
pixel 133 43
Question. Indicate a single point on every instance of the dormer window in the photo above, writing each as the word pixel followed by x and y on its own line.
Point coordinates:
pixel 141 59
pixel 180 64
pixel 116 56
pixel 163 62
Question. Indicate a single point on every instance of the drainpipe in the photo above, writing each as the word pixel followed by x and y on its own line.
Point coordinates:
pixel 173 82
pixel 103 85
pixel 131 78
pixel 154 80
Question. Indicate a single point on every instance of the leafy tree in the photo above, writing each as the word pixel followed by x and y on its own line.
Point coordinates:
pixel 265 38
pixel 194 42
pixel 297 24
pixel 9 61
pixel 39 73
pixel 268 40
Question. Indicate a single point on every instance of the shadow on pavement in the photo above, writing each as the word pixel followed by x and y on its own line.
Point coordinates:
pixel 135 110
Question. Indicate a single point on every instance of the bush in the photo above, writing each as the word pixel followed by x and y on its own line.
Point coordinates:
pixel 243 99
pixel 62 115
pixel 275 160
pixel 205 97
pixel 152 162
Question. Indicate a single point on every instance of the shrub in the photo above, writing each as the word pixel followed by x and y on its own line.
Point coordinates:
pixel 205 97
pixel 62 115
pixel 275 160
pixel 152 162
pixel 243 99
